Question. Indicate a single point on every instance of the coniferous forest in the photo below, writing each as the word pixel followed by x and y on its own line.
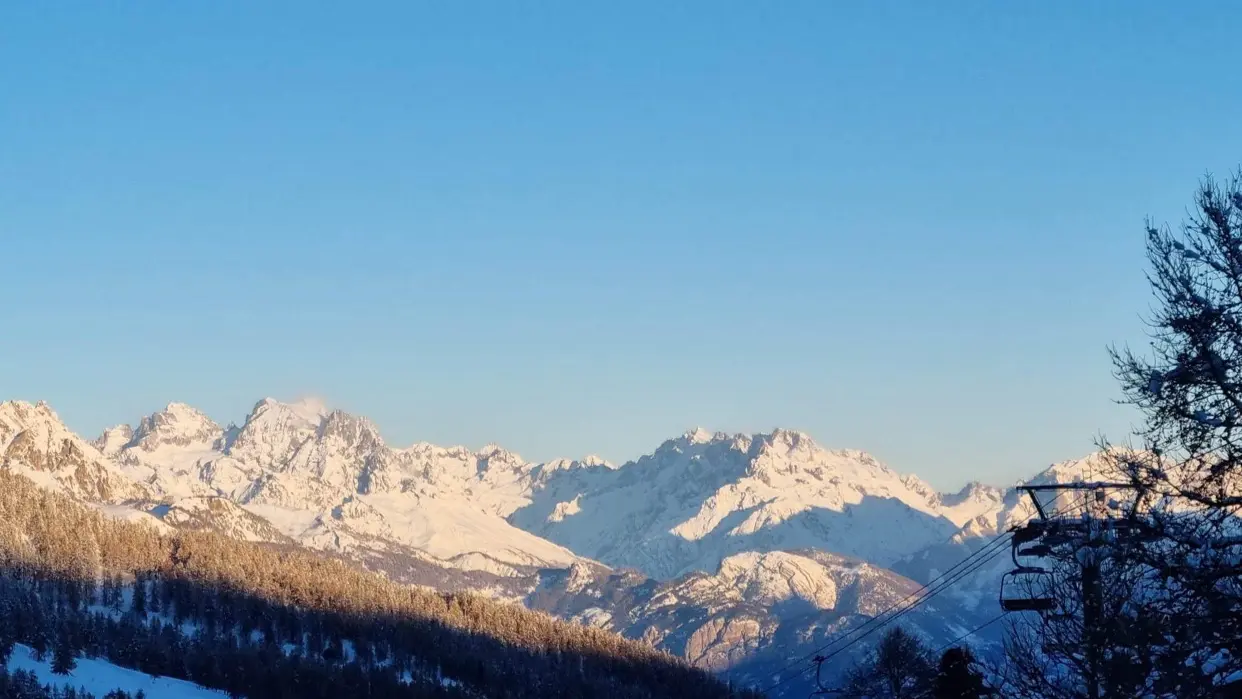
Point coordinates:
pixel 257 621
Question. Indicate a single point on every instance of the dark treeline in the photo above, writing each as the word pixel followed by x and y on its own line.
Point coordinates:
pixel 259 622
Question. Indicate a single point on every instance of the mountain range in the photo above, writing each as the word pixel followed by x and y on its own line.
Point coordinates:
pixel 740 553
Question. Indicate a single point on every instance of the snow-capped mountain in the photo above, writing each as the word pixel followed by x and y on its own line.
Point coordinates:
pixel 758 612
pixel 327 478
pixel 34 442
pixel 730 550
pixel 113 440
pixel 703 497
pixel 177 428
pixel 322 478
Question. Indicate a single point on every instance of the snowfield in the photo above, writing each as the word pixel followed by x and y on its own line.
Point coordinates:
pixel 100 677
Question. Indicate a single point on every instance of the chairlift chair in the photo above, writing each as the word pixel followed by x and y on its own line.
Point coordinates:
pixel 1032 531
pixel 1015 597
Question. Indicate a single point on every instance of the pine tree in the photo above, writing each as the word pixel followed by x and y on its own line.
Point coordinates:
pixel 64 658
pixel 140 597
pixel 8 634
pixel 957 677
pixel 38 642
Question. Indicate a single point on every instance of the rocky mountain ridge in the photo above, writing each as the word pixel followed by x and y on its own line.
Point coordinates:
pixel 730 550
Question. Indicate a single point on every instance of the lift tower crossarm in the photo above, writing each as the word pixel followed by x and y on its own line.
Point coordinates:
pixel 1031 490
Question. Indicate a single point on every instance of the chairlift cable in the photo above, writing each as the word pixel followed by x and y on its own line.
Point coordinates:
pixel 931 593
pixel 972 632
pixel 879 621
pixel 990 550
pixel 943 586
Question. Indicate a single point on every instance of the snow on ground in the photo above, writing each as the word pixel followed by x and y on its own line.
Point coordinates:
pixel 446 529
pixel 129 514
pixel 291 523
pixel 100 677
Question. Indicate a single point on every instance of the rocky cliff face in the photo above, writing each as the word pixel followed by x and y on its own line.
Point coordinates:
pixel 34 442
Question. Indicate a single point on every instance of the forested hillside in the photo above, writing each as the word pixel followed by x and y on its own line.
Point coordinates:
pixel 258 621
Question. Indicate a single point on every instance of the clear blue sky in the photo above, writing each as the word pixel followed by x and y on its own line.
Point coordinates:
pixel 911 228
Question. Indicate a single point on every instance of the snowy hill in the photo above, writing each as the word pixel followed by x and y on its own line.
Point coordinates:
pixel 100 677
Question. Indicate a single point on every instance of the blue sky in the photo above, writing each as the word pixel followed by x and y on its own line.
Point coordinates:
pixel 574 228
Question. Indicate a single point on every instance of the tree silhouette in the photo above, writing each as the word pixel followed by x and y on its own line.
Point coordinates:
pixel 899 667
pixel 64 660
pixel 1187 473
pixel 958 678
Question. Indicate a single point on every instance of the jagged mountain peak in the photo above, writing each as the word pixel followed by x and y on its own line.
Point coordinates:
pixel 791 438
pixel 23 412
pixel 178 408
pixel 698 438
pixel 547 471
pixel 274 431
pixel 114 439
pixel 782 457
pixel 778 435
pixel 699 435
pixel 37 420
pixel 780 443
pixel 697 500
pixel 978 490
pixel 351 429
pixel 178 425
pixel 34 441
pixel 496 452
pixel 302 412
pixel 918 485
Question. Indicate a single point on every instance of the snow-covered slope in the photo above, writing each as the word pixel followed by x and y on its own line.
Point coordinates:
pixel 220 515
pixel 100 677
